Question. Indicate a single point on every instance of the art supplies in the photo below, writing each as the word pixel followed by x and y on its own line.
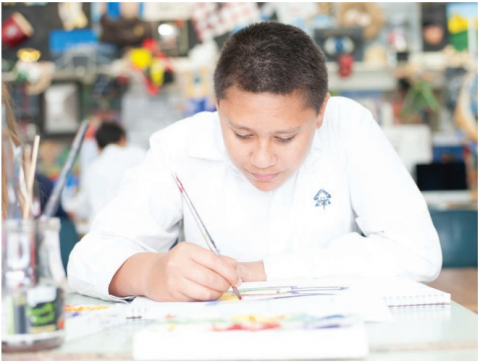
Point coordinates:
pixel 32 292
pixel 84 320
pixel 12 161
pixel 315 297
pixel 54 199
pixel 369 297
pixel 257 337
pixel 32 165
pixel 208 239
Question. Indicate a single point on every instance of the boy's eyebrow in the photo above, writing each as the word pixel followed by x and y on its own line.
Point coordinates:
pixel 286 131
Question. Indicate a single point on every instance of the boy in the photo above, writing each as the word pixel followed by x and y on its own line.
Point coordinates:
pixel 283 176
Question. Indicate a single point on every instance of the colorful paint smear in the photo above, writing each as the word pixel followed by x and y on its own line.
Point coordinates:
pixel 267 293
pixel 258 322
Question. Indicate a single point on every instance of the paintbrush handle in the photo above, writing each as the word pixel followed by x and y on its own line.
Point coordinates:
pixel 201 227
pixel 54 199
pixel 32 165
pixel 208 239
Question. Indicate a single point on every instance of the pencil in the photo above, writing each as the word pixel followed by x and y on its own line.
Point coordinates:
pixel 208 239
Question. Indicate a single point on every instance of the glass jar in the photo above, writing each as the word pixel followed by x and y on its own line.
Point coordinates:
pixel 33 286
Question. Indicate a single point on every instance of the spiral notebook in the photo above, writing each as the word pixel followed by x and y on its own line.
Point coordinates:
pixel 398 292
pixel 404 293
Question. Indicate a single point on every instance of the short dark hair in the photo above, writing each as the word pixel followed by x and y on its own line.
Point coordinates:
pixel 109 133
pixel 275 58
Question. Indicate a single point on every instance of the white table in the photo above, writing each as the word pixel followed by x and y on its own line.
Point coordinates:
pixel 415 334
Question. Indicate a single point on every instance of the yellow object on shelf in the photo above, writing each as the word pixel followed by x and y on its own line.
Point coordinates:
pixel 157 72
pixel 141 57
pixel 457 24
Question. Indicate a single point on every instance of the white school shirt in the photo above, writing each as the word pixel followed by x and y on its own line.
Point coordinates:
pixel 103 179
pixel 352 181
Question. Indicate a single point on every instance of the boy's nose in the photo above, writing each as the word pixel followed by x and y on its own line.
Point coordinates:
pixel 263 156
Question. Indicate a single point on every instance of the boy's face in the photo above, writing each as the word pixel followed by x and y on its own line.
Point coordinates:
pixel 267 136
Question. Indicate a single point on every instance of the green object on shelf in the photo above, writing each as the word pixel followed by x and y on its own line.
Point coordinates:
pixel 459 41
pixel 418 98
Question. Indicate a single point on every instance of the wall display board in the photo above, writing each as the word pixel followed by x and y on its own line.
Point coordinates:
pixel 43 18
pixel 62 109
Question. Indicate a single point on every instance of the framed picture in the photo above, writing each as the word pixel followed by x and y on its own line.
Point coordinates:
pixel 173 37
pixel 61 105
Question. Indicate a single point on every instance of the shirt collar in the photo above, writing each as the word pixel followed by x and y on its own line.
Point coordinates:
pixel 207 143
pixel 315 151
pixel 110 148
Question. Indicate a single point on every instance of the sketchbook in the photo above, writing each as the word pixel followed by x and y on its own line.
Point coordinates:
pixel 370 298
pixel 253 337
pixel 281 297
pixel 406 293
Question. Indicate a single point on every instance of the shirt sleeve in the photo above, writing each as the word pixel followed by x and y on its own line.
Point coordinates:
pixel 143 217
pixel 400 239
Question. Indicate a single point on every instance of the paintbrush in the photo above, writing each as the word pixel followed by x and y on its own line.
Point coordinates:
pixel 11 168
pixel 208 239
pixel 54 199
pixel 30 170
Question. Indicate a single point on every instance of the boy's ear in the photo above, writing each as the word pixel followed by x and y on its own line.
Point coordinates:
pixel 321 113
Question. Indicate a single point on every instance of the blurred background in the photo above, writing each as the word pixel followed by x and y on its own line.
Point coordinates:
pixel 146 65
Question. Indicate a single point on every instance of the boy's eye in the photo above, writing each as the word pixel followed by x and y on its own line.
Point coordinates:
pixel 285 140
pixel 242 136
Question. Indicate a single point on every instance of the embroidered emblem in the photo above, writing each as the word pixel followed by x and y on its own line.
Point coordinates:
pixel 323 198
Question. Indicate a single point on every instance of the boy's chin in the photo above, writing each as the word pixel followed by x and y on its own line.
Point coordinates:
pixel 266 186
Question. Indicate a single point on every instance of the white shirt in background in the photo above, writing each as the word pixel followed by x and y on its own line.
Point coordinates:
pixel 102 179
pixel 352 181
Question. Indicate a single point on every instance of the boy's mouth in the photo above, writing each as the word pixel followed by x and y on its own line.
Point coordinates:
pixel 264 177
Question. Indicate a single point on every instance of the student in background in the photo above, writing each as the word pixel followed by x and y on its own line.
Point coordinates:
pixel 103 176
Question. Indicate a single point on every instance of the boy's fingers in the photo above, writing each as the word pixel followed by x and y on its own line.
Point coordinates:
pixel 198 292
pixel 181 297
pixel 219 265
pixel 208 278
pixel 231 261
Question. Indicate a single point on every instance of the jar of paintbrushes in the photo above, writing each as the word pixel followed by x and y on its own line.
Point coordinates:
pixel 32 270
pixel 33 281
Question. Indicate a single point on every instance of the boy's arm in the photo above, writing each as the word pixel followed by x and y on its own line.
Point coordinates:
pixel 126 253
pixel 400 237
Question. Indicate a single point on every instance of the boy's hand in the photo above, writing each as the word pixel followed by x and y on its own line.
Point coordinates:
pixel 189 272
pixel 252 271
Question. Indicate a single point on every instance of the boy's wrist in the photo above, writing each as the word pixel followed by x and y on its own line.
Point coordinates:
pixel 132 278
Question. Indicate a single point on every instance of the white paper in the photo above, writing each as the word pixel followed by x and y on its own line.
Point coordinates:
pixel 369 307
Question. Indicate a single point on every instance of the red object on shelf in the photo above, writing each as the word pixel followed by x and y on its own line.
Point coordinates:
pixel 15 30
pixel 345 63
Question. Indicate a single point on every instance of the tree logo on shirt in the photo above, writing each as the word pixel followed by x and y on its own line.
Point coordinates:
pixel 323 198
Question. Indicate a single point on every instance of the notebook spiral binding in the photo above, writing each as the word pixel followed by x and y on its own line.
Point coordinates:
pixel 135 313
